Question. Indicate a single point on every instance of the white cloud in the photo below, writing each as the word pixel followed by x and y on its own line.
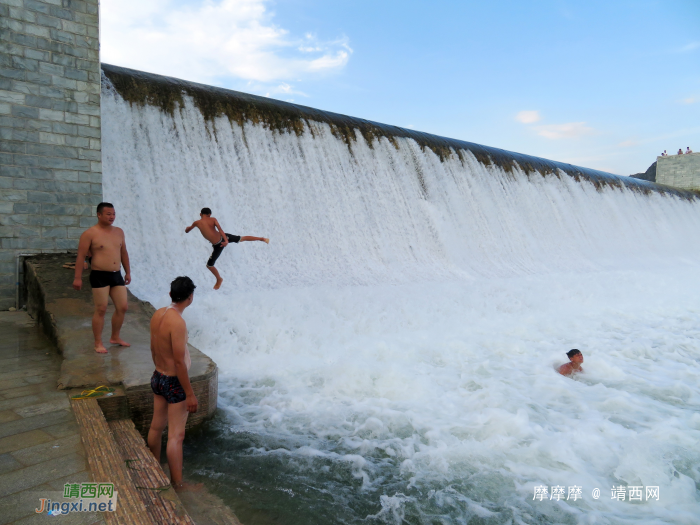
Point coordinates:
pixel 689 100
pixel 528 117
pixel 569 130
pixel 627 143
pixel 689 47
pixel 210 40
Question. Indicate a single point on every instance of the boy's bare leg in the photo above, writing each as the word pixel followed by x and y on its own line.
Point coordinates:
pixel 119 298
pixel 177 418
pixel 250 238
pixel 219 280
pixel 100 297
pixel 160 419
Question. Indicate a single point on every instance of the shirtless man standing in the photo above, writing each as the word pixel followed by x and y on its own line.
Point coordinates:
pixel 574 365
pixel 212 231
pixel 173 397
pixel 108 248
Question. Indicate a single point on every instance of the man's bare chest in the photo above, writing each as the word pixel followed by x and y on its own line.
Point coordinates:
pixel 106 241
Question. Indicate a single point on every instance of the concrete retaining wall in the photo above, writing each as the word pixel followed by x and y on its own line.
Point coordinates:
pixel 50 150
pixel 679 171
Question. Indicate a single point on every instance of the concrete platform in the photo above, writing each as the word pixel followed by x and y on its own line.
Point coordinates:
pixel 65 315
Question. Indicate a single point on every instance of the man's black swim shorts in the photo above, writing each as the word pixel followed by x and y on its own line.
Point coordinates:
pixel 167 386
pixel 218 248
pixel 102 279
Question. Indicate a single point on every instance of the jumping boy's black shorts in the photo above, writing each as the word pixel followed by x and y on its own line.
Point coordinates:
pixel 102 279
pixel 218 248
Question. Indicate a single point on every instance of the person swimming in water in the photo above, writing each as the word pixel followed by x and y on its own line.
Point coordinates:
pixel 574 365
pixel 212 231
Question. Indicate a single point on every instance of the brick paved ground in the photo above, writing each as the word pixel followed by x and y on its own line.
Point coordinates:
pixel 40 447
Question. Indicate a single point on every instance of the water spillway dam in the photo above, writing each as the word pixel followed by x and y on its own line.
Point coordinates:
pixel 388 358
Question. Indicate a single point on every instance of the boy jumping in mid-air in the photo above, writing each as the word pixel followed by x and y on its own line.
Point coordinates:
pixel 212 231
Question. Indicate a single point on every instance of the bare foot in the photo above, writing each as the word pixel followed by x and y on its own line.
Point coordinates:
pixel 118 341
pixel 265 239
pixel 218 283
pixel 100 348
pixel 185 486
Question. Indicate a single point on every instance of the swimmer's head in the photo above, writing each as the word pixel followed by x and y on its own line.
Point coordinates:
pixel 575 355
pixel 205 211
pixel 182 289
pixel 106 213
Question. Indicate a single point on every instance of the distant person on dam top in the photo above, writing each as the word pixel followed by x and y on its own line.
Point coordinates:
pixel 107 246
pixel 688 150
pixel 212 231
pixel 574 365
pixel 173 397
pixel 680 151
pixel 664 154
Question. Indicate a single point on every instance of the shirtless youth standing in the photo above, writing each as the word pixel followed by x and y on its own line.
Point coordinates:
pixel 108 248
pixel 574 366
pixel 214 233
pixel 173 397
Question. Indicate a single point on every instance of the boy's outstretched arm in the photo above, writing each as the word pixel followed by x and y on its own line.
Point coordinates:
pixel 190 228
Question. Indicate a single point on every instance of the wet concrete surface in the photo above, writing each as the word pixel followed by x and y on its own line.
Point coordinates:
pixel 40 446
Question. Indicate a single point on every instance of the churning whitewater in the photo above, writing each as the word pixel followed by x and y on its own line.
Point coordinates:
pixel 389 357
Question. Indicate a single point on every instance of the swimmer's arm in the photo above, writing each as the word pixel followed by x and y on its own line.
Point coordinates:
pixel 153 347
pixel 221 231
pixel 564 369
pixel 83 249
pixel 178 339
pixel 125 261
pixel 190 228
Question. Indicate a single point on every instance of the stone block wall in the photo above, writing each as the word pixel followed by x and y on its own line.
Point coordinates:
pixel 50 151
pixel 680 171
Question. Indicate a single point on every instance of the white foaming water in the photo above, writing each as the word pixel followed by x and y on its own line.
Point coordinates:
pixel 405 319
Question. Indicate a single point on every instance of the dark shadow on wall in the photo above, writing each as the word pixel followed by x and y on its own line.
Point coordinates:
pixel 649 174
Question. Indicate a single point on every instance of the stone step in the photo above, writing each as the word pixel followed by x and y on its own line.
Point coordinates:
pixel 107 465
pixel 117 454
pixel 161 501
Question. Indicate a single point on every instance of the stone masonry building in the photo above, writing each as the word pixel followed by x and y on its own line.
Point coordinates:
pixel 680 171
pixel 50 156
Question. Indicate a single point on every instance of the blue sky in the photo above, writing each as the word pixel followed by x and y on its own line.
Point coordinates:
pixel 602 84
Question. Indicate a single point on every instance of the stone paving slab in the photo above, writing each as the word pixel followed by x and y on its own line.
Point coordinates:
pixel 28 477
pixel 40 446
pixel 26 390
pixel 25 439
pixel 47 451
pixel 8 415
pixel 34 422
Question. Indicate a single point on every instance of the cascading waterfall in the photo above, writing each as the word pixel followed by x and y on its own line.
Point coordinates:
pixel 389 356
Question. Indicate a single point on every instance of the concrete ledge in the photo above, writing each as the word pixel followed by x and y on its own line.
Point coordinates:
pixel 66 315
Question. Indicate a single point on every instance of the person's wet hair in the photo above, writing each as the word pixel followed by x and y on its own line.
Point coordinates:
pixel 571 353
pixel 206 211
pixel 181 288
pixel 101 206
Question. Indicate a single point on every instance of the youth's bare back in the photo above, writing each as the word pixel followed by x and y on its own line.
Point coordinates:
pixel 168 341
pixel 208 228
